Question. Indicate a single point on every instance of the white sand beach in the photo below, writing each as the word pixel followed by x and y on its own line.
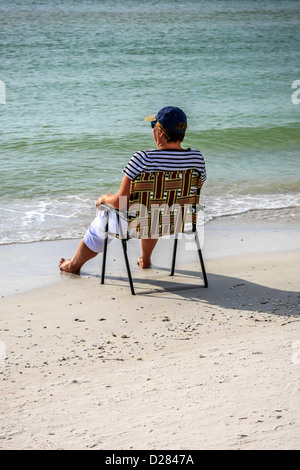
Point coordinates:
pixel 86 366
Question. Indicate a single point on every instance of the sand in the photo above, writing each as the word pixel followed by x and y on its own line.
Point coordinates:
pixel 86 366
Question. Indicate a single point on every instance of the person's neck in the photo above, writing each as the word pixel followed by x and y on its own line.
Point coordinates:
pixel 169 146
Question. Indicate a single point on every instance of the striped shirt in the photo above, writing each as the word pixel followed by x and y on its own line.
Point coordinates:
pixel 165 160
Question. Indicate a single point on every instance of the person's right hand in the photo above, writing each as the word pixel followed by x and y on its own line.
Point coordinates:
pixel 99 202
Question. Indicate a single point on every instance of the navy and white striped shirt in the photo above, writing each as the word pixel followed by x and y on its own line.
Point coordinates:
pixel 165 160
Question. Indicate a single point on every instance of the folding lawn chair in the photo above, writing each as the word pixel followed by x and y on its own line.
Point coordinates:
pixel 160 204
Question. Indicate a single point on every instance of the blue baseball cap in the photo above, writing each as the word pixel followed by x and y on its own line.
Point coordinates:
pixel 170 117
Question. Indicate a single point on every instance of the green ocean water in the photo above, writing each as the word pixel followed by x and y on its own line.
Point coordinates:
pixel 80 76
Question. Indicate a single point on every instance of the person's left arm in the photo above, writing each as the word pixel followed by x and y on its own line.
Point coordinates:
pixel 119 200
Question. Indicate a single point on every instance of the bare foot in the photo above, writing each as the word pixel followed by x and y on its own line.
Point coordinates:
pixel 143 264
pixel 67 266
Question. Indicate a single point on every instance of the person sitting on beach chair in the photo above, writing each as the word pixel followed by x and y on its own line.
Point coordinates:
pixel 169 128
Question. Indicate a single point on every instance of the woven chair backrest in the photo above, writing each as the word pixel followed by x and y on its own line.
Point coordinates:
pixel 164 203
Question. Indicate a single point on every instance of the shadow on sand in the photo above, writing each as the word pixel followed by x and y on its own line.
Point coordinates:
pixel 224 291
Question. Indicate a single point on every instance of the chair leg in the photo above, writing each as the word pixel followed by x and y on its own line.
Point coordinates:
pixel 174 255
pixel 104 251
pixel 201 260
pixel 124 246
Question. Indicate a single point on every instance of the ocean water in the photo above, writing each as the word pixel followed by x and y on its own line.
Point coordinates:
pixel 78 77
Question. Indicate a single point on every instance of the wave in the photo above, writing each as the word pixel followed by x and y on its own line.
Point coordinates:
pixel 231 139
pixel 69 217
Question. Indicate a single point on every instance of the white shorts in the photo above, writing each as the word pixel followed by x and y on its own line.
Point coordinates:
pixel 95 235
